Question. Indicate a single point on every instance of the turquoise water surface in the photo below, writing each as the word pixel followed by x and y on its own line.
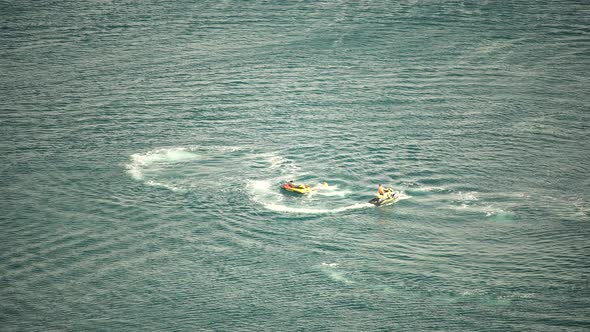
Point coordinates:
pixel 143 145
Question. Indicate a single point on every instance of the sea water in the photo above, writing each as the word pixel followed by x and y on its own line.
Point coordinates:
pixel 143 145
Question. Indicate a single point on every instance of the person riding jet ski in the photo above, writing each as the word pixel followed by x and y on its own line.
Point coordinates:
pixel 384 196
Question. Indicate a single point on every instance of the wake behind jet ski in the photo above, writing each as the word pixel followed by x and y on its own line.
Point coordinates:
pixel 384 196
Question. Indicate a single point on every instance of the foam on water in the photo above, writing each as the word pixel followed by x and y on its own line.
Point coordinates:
pixel 283 208
pixel 330 191
pixel 181 168
pixel 264 193
pixel 401 195
pixel 282 166
pixel 168 186
pixel 332 271
pixel 153 159
pixel 489 204
pixel 275 161
pixel 473 202
pixel 436 189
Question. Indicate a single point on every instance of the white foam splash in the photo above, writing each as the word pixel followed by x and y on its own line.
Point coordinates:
pixel 429 189
pixel 330 191
pixel 276 161
pixel 340 277
pixel 330 269
pixel 500 214
pixel 165 185
pixel 260 188
pixel 488 209
pixel 469 196
pixel 283 208
pixel 263 194
pixel 141 161
pixel 401 195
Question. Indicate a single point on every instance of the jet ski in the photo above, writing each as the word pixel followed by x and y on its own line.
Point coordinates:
pixel 296 188
pixel 389 196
